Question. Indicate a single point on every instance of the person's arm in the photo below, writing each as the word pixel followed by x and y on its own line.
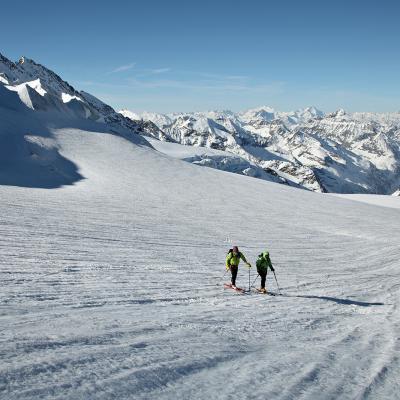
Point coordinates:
pixel 228 258
pixel 270 264
pixel 244 259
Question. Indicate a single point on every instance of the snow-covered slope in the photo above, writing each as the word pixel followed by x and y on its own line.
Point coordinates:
pixel 112 287
pixel 376 199
pixel 337 152
pixel 33 101
pixel 396 193
pixel 211 158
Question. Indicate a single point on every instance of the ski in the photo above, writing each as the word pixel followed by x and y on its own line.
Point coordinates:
pixel 229 286
pixel 266 293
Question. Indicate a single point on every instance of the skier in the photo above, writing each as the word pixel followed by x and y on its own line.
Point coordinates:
pixel 263 263
pixel 232 263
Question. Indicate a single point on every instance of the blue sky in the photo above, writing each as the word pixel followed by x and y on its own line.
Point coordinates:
pixel 189 55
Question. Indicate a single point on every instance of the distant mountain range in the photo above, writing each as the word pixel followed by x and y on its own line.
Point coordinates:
pixel 337 152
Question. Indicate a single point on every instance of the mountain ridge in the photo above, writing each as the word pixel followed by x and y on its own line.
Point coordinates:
pixel 336 152
pixel 41 89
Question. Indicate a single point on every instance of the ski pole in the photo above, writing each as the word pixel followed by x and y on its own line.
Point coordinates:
pixel 226 270
pixel 249 279
pixel 255 280
pixel 276 280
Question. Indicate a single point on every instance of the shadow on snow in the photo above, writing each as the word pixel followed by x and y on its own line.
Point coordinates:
pixel 337 300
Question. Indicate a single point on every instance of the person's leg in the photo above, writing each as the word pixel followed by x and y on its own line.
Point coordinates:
pixel 234 271
pixel 263 279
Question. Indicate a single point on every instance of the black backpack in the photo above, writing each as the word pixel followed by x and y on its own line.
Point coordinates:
pixel 231 251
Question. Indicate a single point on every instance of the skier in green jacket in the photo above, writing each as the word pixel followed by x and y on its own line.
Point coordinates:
pixel 263 263
pixel 232 263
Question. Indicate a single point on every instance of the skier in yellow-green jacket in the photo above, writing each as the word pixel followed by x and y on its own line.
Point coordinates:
pixel 232 263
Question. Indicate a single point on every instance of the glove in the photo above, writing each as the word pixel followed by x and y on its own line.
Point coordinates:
pixel 228 267
pixel 272 268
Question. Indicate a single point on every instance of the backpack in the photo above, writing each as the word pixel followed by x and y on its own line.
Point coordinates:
pixel 262 264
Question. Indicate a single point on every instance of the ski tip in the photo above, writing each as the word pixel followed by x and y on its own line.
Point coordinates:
pixel 236 289
pixel 228 285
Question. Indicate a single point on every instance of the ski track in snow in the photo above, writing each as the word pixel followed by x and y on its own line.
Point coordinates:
pixel 113 288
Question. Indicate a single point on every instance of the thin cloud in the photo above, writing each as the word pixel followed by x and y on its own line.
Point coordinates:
pixel 145 73
pixel 211 85
pixel 223 77
pixel 160 70
pixel 272 87
pixel 123 68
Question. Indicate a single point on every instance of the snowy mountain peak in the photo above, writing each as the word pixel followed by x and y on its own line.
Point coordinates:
pixel 158 119
pixel 40 89
pixel 263 113
pixel 338 113
pixel 311 112
pixel 261 109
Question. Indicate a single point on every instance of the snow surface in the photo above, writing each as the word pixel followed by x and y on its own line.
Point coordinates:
pixel 158 119
pixel 66 98
pixel 112 287
pixel 379 200
pixel 25 94
pixel 204 156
